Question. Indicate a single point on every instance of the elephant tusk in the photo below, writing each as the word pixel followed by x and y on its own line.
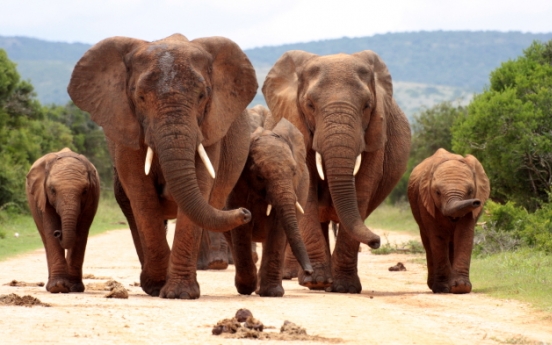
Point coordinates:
pixel 268 210
pixel 203 155
pixel 319 165
pixel 149 159
pixel 299 208
pixel 357 164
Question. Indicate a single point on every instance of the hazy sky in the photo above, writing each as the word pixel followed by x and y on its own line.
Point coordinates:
pixel 253 23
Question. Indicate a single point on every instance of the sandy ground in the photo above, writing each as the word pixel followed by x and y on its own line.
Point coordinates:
pixel 393 308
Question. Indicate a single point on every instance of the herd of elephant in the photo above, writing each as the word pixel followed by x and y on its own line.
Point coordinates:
pixel 331 146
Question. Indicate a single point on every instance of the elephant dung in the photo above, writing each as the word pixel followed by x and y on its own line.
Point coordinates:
pixel 25 301
pixel 398 267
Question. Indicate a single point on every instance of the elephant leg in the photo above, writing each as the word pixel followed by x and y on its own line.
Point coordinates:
pixel 218 251
pixel 124 204
pixel 462 247
pixel 291 265
pixel 344 264
pixel 181 274
pixel 441 262
pixel 246 270
pixel 58 274
pixel 149 221
pixel 75 255
pixel 317 247
pixel 203 255
pixel 429 258
pixel 270 273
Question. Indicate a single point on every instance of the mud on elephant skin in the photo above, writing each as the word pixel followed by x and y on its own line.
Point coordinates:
pixel 357 141
pixel 274 186
pixel 446 193
pixel 173 112
pixel 63 191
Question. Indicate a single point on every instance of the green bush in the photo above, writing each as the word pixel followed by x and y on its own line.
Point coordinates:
pixel 508 128
pixel 508 227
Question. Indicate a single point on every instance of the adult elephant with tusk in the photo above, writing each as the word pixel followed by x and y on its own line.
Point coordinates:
pixel 357 141
pixel 173 114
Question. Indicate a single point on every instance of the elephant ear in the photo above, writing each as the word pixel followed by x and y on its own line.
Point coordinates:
pixel 385 107
pixel 280 87
pixel 234 84
pixel 482 184
pixel 98 86
pixel 36 179
pixel 294 138
pixel 424 171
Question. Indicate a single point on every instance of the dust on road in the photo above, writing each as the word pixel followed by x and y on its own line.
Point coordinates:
pixel 395 307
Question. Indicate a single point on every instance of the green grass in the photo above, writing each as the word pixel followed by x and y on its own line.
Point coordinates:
pixel 108 217
pixel 391 217
pixel 524 275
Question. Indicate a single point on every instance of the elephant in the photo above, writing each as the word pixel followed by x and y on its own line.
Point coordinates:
pixel 173 113
pixel 446 193
pixel 214 252
pixel 357 141
pixel 63 191
pixel 273 186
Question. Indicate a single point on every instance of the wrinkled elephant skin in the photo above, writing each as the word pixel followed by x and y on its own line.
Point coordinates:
pixel 173 112
pixel 357 141
pixel 274 186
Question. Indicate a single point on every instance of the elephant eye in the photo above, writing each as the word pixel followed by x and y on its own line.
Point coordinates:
pixel 84 191
pixel 310 105
pixel 470 191
pixel 366 106
pixel 53 190
pixel 201 96
pixel 438 192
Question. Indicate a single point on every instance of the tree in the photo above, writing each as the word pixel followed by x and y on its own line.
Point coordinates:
pixel 509 128
pixel 431 130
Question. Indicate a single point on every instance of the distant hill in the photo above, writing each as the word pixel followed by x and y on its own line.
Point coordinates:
pixel 427 67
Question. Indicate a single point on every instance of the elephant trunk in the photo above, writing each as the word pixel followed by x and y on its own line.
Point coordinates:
pixel 177 157
pixel 458 208
pixel 68 234
pixel 288 213
pixel 339 161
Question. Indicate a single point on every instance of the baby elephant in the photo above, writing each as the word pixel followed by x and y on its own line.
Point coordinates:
pixel 63 190
pixel 446 193
pixel 273 186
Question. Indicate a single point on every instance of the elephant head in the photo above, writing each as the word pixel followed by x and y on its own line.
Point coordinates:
pixel 453 185
pixel 342 105
pixel 64 183
pixel 276 170
pixel 176 97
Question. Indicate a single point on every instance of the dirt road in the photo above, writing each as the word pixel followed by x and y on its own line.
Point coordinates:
pixel 393 308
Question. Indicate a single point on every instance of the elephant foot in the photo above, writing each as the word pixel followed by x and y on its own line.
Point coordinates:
pixel 320 279
pixel 180 289
pixel 64 285
pixel 150 285
pixel 273 290
pixel 440 287
pixel 346 284
pixel 460 285
pixel 218 260
pixel 218 264
pixel 246 286
pixel 290 273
